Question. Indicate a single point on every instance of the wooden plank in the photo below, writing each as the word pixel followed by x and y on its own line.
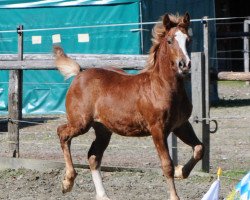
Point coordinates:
pixel 13 57
pixel 85 61
pixel 46 62
pixel 234 76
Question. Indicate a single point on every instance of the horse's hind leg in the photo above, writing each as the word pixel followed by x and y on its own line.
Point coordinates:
pixel 95 154
pixel 187 135
pixel 66 133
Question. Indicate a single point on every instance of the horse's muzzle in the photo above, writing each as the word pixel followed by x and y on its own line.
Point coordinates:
pixel 185 68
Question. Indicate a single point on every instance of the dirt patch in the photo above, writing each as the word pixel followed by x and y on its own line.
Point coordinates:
pixel 229 150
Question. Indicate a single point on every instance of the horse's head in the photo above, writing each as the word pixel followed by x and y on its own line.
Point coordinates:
pixel 176 38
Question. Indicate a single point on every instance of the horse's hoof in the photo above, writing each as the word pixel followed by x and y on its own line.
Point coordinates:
pixel 66 186
pixel 175 198
pixel 178 172
pixel 102 198
pixel 68 182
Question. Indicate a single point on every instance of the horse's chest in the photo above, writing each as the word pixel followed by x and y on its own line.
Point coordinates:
pixel 179 113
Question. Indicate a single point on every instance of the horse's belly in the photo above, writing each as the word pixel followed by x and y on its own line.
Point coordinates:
pixel 131 132
pixel 125 127
pixel 120 116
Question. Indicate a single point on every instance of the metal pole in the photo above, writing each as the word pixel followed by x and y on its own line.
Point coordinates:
pixel 20 58
pixel 246 48
pixel 172 146
pixel 141 28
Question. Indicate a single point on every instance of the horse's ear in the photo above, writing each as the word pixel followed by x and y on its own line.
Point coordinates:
pixel 166 21
pixel 186 19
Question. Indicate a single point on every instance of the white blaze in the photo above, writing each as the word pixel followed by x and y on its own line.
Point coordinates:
pixel 181 39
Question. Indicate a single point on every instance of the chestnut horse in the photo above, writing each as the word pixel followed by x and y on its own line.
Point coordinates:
pixel 153 102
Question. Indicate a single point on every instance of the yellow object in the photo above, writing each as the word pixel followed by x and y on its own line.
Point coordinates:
pixel 232 195
pixel 219 172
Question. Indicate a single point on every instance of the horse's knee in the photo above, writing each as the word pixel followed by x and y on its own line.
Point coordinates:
pixel 198 152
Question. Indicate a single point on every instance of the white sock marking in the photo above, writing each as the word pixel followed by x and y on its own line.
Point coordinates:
pixel 97 179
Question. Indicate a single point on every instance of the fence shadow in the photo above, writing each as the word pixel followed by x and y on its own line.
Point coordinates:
pixel 231 103
pixel 26 122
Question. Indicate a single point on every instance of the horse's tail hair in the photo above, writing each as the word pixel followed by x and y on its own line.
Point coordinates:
pixel 65 65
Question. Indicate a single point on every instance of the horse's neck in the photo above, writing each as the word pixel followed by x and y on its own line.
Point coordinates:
pixel 164 70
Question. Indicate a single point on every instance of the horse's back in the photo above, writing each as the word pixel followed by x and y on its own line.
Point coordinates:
pixel 103 82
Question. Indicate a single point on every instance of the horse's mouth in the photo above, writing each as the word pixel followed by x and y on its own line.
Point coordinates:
pixel 185 70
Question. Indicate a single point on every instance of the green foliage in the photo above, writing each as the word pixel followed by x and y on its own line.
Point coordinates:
pixel 234 84
pixel 234 174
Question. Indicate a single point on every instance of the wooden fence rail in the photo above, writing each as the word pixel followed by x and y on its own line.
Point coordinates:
pixel 46 61
pixel 234 76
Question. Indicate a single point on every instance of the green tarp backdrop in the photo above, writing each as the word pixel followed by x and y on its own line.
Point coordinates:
pixel 44 90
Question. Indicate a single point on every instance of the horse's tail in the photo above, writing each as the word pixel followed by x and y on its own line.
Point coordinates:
pixel 65 65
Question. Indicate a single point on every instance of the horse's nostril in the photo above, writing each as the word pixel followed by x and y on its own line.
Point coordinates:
pixel 189 65
pixel 181 64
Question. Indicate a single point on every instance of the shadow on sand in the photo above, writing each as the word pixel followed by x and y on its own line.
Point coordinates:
pixel 26 122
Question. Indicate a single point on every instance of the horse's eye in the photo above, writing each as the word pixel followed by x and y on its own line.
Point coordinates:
pixel 169 40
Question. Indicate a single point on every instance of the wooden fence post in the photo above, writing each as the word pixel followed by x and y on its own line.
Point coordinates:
pixel 206 130
pixel 200 113
pixel 15 101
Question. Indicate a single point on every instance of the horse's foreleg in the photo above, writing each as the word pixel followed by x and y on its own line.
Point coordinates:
pixel 187 135
pixel 65 135
pixel 95 157
pixel 166 162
